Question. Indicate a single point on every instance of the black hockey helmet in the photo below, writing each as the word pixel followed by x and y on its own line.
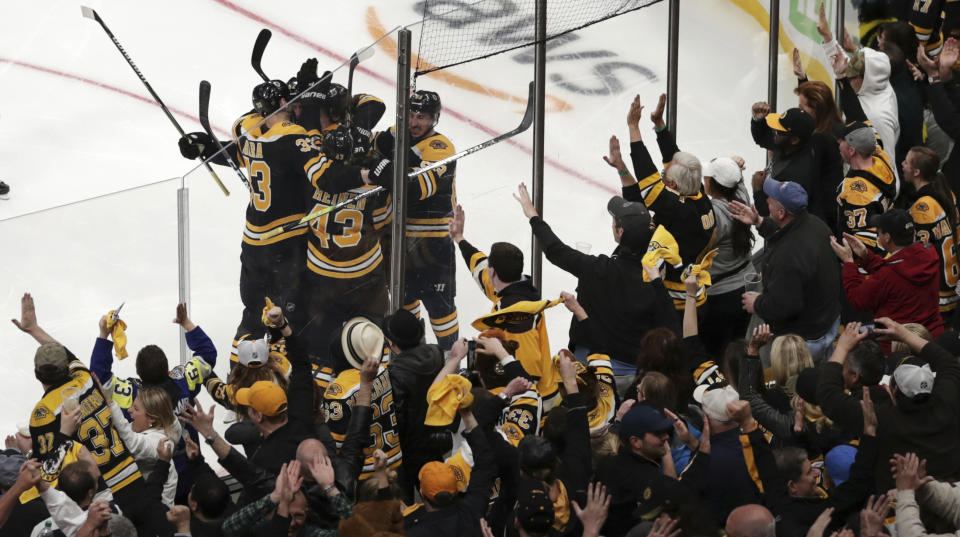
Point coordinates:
pixel 427 102
pixel 338 144
pixel 268 96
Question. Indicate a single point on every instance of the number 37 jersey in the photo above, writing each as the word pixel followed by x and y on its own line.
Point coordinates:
pixel 96 430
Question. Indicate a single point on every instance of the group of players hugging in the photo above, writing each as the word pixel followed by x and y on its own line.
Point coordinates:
pixel 306 145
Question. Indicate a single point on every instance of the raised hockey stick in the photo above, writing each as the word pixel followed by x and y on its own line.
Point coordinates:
pixel 261 44
pixel 205 123
pixel 524 125
pixel 91 14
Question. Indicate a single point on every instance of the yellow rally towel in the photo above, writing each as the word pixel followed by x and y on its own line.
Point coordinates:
pixel 445 397
pixel 700 270
pixel 119 334
pixel 263 316
pixel 515 314
pixel 663 247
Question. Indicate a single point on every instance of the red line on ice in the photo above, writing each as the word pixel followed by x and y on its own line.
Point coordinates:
pixel 107 87
pixel 389 81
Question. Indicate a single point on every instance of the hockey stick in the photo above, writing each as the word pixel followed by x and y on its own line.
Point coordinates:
pixel 258 48
pixel 205 123
pixel 317 214
pixel 91 14
pixel 524 125
pixel 355 59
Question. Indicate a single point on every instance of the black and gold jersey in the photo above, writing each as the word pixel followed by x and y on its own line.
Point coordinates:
pixel 601 416
pixel 690 219
pixel 933 227
pixel 339 399
pixel 96 431
pixel 865 193
pixel 367 111
pixel 432 195
pixel 522 416
pixel 931 19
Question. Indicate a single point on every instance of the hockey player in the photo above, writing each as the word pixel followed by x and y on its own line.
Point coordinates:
pixel 431 263
pixel 345 270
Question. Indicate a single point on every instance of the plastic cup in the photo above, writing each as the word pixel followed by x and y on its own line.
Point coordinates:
pixel 71 398
pixel 753 282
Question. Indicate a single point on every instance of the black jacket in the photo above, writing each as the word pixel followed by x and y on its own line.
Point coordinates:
pixel 462 518
pixel 637 487
pixel 801 164
pixel 801 278
pixel 944 101
pixel 613 293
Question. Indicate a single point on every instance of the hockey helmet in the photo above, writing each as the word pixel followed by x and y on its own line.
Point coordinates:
pixel 293 87
pixel 268 97
pixel 427 102
pixel 338 144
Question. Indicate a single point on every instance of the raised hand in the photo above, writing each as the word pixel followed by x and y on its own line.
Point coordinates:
pixel 843 251
pixel 516 386
pixel 823 27
pixel 848 44
pixel 840 64
pixel 760 109
pixel 928 65
pixel 873 515
pixel 949 55
pixel 198 419
pixel 573 305
pixel 909 472
pixel 456 224
pixel 820 524
pixel 683 433
pixel 275 316
pixel 890 329
pixel 165 450
pixel 594 514
pixel 635 112
pixel 798 65
pixel 869 413
pixel 369 368
pixel 28 315
pixel 761 336
pixel 182 318
pixel 850 336
pixel 744 213
pixel 279 495
pixel 179 516
pixel 615 157
pixel 657 115
pixel 492 346
pixel 70 421
pixel 193 450
pixel 523 197
pixel 322 470
pixel 624 408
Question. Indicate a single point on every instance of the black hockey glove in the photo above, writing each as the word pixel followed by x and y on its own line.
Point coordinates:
pixel 307 74
pixel 197 144
pixel 381 173
pixel 361 143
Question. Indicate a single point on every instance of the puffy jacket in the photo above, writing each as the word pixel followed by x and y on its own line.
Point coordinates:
pixel 904 287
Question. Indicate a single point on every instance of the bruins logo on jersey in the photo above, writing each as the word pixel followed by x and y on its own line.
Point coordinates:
pixel 921 207
pixel 438 144
pixel 40 413
pixel 334 390
pixel 858 186
pixel 512 432
pixel 654 245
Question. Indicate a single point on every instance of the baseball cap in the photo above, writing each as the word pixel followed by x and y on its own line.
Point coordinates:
pixel 403 328
pixel 534 508
pixel 794 121
pixel 838 462
pixel 724 170
pixel 51 357
pixel 714 402
pixel 642 419
pixel 861 136
pixel 436 477
pixel 623 210
pixel 266 397
pixel 894 222
pixel 791 195
pixel 360 338
pixel 914 377
pixel 253 353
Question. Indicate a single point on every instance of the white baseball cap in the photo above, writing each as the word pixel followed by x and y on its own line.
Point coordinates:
pixel 914 379
pixel 253 353
pixel 715 402
pixel 723 170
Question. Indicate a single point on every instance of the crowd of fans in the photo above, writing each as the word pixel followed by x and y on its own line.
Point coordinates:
pixel 808 387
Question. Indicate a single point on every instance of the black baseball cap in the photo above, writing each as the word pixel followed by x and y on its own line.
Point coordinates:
pixel 794 122
pixel 642 419
pixel 534 508
pixel 894 222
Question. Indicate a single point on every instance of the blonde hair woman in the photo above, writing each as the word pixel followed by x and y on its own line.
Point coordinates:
pixel 789 356
pixel 153 424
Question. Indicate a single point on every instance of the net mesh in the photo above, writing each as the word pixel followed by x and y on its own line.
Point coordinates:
pixel 456 31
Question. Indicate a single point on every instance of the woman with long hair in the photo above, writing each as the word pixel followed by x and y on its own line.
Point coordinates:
pixel 153 425
pixel 935 217
pixel 816 99
pixel 723 316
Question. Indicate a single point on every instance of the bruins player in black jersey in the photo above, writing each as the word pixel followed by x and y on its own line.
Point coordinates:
pixel 431 261
pixel 345 270
pixel 67 384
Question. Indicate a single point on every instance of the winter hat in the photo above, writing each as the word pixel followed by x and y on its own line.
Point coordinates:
pixel 403 329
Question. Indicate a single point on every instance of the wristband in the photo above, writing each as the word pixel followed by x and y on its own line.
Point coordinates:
pixel 329 487
pixel 661 128
pixel 284 325
pixel 209 440
pixel 623 173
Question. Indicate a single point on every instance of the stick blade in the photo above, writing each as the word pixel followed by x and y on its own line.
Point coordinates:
pixel 205 105
pixel 365 54
pixel 258 48
pixel 528 114
pixel 88 13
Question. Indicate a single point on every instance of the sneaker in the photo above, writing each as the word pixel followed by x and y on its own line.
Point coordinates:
pixel 4 191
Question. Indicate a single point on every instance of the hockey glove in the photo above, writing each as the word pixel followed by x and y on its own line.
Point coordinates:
pixel 307 74
pixel 381 173
pixel 197 144
pixel 361 143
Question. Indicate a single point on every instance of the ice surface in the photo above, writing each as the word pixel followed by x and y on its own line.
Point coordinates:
pixel 75 123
